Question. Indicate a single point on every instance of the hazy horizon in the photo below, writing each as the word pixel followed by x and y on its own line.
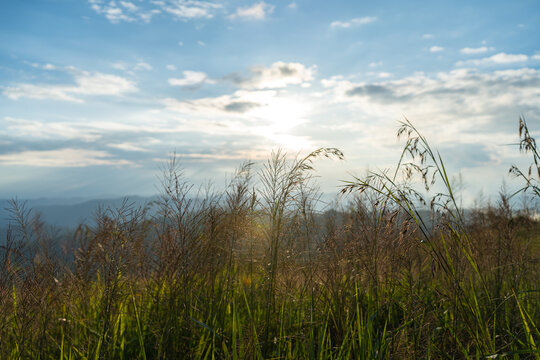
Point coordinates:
pixel 96 95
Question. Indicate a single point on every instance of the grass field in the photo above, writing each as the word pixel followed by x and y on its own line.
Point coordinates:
pixel 258 272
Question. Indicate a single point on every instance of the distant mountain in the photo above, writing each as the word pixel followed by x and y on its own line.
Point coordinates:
pixel 68 212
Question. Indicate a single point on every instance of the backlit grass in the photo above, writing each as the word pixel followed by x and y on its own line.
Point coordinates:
pixel 257 272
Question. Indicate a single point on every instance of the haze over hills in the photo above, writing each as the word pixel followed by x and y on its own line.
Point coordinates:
pixel 68 212
pixel 71 212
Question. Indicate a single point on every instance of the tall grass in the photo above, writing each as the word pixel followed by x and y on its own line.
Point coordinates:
pixel 256 271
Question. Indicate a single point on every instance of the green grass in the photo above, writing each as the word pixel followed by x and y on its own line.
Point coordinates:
pixel 257 273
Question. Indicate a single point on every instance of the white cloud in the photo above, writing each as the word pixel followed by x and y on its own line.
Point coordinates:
pixel 101 84
pixel 170 67
pixel 497 59
pixel 435 49
pixel 257 11
pixel 467 114
pixel 180 43
pixel 147 16
pixel 86 84
pixel 479 50
pixel 241 102
pixel 142 66
pixel 536 57
pixel 111 11
pixel 49 67
pixel 139 66
pixel 127 11
pixel 189 9
pixel 292 5
pixel 380 75
pixel 263 115
pixel 252 154
pixel 41 66
pixel 502 58
pixel 137 122
pixel 427 36
pixel 127 146
pixel 352 22
pixel 119 66
pixel 451 97
pixel 21 128
pixel 67 157
pixel 278 75
pixel 129 6
pixel 40 92
pixel 191 78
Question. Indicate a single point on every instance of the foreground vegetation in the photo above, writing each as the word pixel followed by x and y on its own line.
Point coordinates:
pixel 257 272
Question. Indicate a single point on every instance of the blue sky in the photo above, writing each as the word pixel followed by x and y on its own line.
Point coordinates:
pixel 96 94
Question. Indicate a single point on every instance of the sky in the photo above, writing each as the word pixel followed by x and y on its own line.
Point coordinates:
pixel 96 95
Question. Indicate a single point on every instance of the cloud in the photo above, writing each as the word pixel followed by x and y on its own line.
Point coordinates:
pixel 464 111
pixel 170 67
pixel 41 66
pixel 258 111
pixel 128 146
pixel 134 127
pixel 461 96
pixel 129 6
pixel 191 79
pixel 265 117
pixel 189 9
pixel 257 11
pixel 462 82
pixel 278 75
pixel 237 155
pixel 536 57
pixel 101 84
pixel 41 92
pixel 435 49
pixel 111 11
pixel 240 102
pixel 142 66
pixel 119 66
pixel 373 91
pixel 353 22
pixel 427 36
pixel 127 11
pixel 381 75
pixel 22 128
pixel 86 84
pixel 240 106
pixel 497 59
pixel 130 68
pixel 67 157
pixel 473 51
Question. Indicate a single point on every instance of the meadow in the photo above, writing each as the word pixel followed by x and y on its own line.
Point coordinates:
pixel 259 271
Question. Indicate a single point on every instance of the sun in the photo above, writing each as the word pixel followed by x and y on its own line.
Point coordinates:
pixel 279 118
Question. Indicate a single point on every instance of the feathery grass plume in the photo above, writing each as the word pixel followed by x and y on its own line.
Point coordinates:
pixel 281 181
pixel 527 144
pixel 418 158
